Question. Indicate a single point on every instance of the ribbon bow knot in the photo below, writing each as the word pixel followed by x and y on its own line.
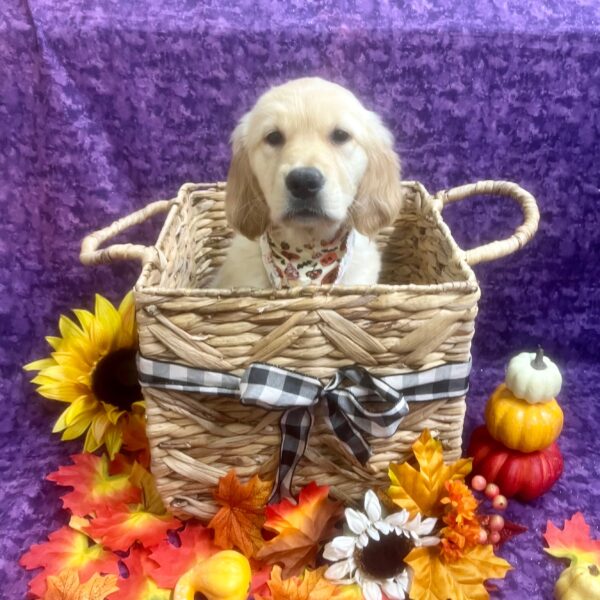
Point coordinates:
pixel 299 396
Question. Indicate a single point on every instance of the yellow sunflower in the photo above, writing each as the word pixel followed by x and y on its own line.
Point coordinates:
pixel 93 369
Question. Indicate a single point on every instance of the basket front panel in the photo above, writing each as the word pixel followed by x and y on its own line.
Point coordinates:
pixel 197 439
pixel 316 335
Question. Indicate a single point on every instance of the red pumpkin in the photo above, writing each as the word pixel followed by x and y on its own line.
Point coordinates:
pixel 523 475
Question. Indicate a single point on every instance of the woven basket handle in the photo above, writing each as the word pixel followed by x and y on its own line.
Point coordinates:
pixel 91 254
pixel 522 234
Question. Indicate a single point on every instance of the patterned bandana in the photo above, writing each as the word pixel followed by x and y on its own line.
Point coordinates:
pixel 316 263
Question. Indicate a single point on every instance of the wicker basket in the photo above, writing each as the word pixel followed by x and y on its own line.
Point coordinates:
pixel 420 316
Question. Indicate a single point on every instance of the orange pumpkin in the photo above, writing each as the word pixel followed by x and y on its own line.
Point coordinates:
pixel 520 425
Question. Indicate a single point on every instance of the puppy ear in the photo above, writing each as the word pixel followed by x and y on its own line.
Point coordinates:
pixel 379 196
pixel 245 205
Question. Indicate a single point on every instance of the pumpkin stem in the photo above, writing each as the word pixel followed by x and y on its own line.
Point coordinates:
pixel 538 362
pixel 593 569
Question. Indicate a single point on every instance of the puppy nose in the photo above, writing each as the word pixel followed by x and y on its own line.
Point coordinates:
pixel 304 182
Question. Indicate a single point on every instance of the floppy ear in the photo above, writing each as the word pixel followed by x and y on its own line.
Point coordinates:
pixel 245 205
pixel 379 196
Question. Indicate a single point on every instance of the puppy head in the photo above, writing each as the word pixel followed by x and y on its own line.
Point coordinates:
pixel 309 155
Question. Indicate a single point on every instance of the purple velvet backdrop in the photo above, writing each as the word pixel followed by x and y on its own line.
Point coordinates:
pixel 103 109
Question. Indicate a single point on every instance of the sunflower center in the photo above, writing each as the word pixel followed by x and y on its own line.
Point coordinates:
pixel 115 379
pixel 385 558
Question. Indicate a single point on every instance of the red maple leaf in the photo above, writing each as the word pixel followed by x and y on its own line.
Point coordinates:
pixel 260 580
pixel 67 548
pixel 122 526
pixel 139 584
pixel 173 561
pixel 97 484
pixel 573 541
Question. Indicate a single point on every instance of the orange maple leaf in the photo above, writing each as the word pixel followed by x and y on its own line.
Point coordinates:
pixel 573 541
pixel 96 483
pixel 310 586
pixel 66 586
pixel 67 548
pixel 195 543
pixel 301 529
pixel 242 513
pixel 420 490
pixel 435 579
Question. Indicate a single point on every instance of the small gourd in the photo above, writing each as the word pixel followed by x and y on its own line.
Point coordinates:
pixel 520 425
pixel 581 581
pixel 533 377
pixel 224 576
pixel 522 413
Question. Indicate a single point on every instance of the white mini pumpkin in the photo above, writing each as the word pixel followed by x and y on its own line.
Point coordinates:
pixel 533 377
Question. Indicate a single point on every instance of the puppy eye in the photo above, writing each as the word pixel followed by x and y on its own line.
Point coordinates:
pixel 339 136
pixel 275 138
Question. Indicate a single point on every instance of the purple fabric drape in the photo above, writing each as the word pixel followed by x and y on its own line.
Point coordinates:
pixel 107 105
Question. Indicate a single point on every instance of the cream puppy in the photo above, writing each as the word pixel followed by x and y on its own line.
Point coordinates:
pixel 313 179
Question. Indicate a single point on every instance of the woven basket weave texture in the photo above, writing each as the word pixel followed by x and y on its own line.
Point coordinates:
pixel 421 315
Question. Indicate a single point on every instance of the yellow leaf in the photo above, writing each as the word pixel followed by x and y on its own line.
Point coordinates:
pixel 434 579
pixel 151 500
pixel 420 490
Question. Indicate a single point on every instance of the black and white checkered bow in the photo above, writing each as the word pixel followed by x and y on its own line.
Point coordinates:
pixel 345 401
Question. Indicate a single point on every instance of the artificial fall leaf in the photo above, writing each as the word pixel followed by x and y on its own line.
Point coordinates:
pixel 139 585
pixel 573 541
pixel 195 543
pixel 67 548
pixel 66 586
pixel 310 586
pixel 300 529
pixel 434 579
pixel 135 440
pixel 242 513
pixel 420 490
pixel 151 499
pixel 122 526
pixel 95 483
pixel 80 524
pixel 260 580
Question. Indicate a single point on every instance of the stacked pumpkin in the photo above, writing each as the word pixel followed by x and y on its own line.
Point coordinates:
pixel 517 448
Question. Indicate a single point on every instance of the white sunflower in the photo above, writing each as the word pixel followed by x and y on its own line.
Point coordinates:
pixel 373 556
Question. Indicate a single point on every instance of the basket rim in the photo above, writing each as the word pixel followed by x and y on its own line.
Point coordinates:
pixel 424 203
pixel 312 291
